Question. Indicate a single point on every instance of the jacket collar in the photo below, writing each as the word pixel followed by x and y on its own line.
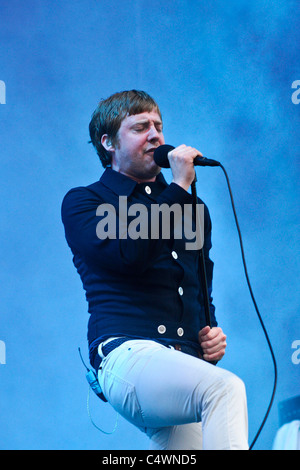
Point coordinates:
pixel 123 185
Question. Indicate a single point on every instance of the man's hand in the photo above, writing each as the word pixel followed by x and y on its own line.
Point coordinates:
pixel 213 343
pixel 182 165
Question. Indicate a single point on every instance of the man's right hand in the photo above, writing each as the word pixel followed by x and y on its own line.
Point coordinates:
pixel 182 165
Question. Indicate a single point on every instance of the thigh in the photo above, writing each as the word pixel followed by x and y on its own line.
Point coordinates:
pixel 154 386
pixel 182 437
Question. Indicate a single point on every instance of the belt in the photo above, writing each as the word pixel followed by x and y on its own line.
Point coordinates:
pixel 111 345
pixel 107 348
pixel 188 350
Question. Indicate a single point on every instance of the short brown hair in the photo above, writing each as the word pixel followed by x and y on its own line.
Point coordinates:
pixel 109 114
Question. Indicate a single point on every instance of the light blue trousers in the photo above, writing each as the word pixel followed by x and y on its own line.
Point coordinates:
pixel 179 401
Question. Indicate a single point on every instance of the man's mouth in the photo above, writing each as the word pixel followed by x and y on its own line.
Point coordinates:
pixel 151 150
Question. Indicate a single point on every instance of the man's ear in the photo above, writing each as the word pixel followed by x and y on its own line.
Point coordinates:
pixel 106 142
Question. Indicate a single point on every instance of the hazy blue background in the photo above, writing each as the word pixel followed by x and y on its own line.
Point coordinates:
pixel 222 73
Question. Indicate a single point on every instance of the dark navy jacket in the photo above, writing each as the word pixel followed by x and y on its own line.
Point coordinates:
pixel 142 288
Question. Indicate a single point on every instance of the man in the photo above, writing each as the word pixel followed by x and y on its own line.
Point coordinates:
pixel 147 333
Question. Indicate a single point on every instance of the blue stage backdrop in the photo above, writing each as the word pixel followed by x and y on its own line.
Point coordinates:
pixel 226 75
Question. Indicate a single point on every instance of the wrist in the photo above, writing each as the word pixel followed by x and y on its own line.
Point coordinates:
pixel 183 184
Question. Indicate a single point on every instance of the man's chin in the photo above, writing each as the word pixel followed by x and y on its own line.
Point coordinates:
pixel 149 173
pixel 154 170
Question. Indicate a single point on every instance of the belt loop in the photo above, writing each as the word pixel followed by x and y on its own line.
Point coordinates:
pixel 100 353
pixel 114 341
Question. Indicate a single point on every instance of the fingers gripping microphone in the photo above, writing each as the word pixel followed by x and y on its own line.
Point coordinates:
pixel 161 158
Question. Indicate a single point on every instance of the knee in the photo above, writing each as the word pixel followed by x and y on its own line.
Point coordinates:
pixel 228 386
pixel 235 385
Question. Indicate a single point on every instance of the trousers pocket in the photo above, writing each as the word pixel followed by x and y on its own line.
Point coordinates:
pixel 122 397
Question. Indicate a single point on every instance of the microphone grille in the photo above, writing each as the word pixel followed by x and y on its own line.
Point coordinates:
pixel 161 155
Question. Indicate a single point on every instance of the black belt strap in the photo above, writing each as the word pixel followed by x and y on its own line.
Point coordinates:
pixel 107 348
pixel 111 345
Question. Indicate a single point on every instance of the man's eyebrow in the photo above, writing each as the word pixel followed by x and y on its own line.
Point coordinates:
pixel 147 121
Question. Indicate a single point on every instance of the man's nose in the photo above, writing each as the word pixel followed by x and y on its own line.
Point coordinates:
pixel 153 133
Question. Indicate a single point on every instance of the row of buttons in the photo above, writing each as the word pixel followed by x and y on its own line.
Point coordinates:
pixel 180 330
pixel 162 329
pixel 175 256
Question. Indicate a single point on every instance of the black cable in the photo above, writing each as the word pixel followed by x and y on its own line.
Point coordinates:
pixel 257 311
pixel 202 269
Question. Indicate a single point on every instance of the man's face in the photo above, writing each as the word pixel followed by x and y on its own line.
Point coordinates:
pixel 139 135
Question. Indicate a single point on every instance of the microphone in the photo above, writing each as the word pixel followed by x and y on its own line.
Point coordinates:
pixel 161 158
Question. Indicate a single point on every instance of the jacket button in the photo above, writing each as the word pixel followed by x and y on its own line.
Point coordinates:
pixel 148 189
pixel 175 255
pixel 180 290
pixel 161 329
pixel 180 331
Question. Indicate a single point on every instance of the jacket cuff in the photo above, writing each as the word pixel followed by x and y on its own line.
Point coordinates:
pixel 176 194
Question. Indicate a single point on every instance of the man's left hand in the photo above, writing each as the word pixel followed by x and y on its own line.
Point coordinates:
pixel 213 343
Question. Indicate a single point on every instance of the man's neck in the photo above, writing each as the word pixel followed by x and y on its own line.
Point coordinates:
pixel 135 178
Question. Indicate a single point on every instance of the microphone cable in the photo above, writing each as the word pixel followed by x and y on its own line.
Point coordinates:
pixel 257 311
pixel 161 159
